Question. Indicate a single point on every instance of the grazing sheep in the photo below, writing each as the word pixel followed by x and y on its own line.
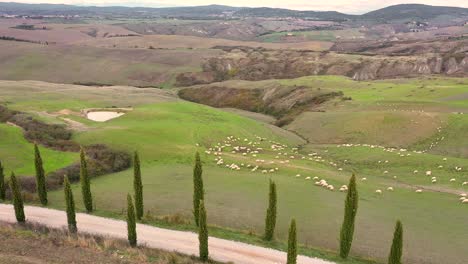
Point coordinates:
pixel 390 189
pixel 307 178
pixel 464 183
pixel 418 191
pixel 453 180
pixel 428 173
pixel 415 171
pixel 465 201
pixel 434 181
pixel 378 191
pixel 364 179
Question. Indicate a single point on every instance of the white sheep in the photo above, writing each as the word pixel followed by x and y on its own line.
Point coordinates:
pixel 378 191
pixel 453 180
pixel 307 178
pixel 465 201
pixel 418 191
pixel 428 173
pixel 390 189
pixel 364 179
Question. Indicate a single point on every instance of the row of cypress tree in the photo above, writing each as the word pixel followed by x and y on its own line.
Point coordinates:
pixel 135 211
pixel 347 229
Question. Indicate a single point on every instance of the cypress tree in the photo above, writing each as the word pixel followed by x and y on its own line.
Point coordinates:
pixel 70 203
pixel 138 187
pixel 347 229
pixel 397 246
pixel 40 176
pixel 85 183
pixel 203 233
pixel 198 192
pixel 131 222
pixel 270 220
pixel 2 183
pixel 292 243
pixel 17 199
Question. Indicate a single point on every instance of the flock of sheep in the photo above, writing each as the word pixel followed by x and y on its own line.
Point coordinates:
pixel 250 150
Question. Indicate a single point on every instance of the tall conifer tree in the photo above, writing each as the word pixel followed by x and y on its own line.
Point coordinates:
pixel 138 187
pixel 270 220
pixel 198 191
pixel 17 199
pixel 85 183
pixel 40 176
pixel 347 229
pixel 70 204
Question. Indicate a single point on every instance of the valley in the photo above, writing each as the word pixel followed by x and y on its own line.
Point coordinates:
pixel 303 98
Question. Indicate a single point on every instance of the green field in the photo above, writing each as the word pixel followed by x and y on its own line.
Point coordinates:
pixel 391 113
pixel 315 35
pixel 17 154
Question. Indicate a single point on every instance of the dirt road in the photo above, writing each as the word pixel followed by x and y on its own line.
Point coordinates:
pixel 170 240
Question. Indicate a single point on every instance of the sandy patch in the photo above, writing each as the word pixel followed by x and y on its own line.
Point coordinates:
pixel 103 116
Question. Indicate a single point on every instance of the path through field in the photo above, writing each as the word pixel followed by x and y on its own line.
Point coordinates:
pixel 170 240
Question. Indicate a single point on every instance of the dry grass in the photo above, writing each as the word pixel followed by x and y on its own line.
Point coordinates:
pixel 32 243
pixel 191 42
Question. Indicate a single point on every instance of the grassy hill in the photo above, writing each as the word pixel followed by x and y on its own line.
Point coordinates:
pixel 415 12
pixel 166 132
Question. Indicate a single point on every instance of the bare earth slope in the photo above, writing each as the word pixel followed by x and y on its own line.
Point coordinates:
pixel 183 242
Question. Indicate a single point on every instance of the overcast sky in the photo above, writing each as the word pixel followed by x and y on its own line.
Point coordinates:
pixel 347 6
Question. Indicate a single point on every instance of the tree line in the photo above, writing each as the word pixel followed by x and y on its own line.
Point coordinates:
pixel 135 208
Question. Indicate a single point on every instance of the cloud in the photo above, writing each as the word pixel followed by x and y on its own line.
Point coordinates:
pixel 347 6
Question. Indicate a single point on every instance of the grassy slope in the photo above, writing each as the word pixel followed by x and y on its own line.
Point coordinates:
pixel 17 154
pixel 231 195
pixel 63 64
